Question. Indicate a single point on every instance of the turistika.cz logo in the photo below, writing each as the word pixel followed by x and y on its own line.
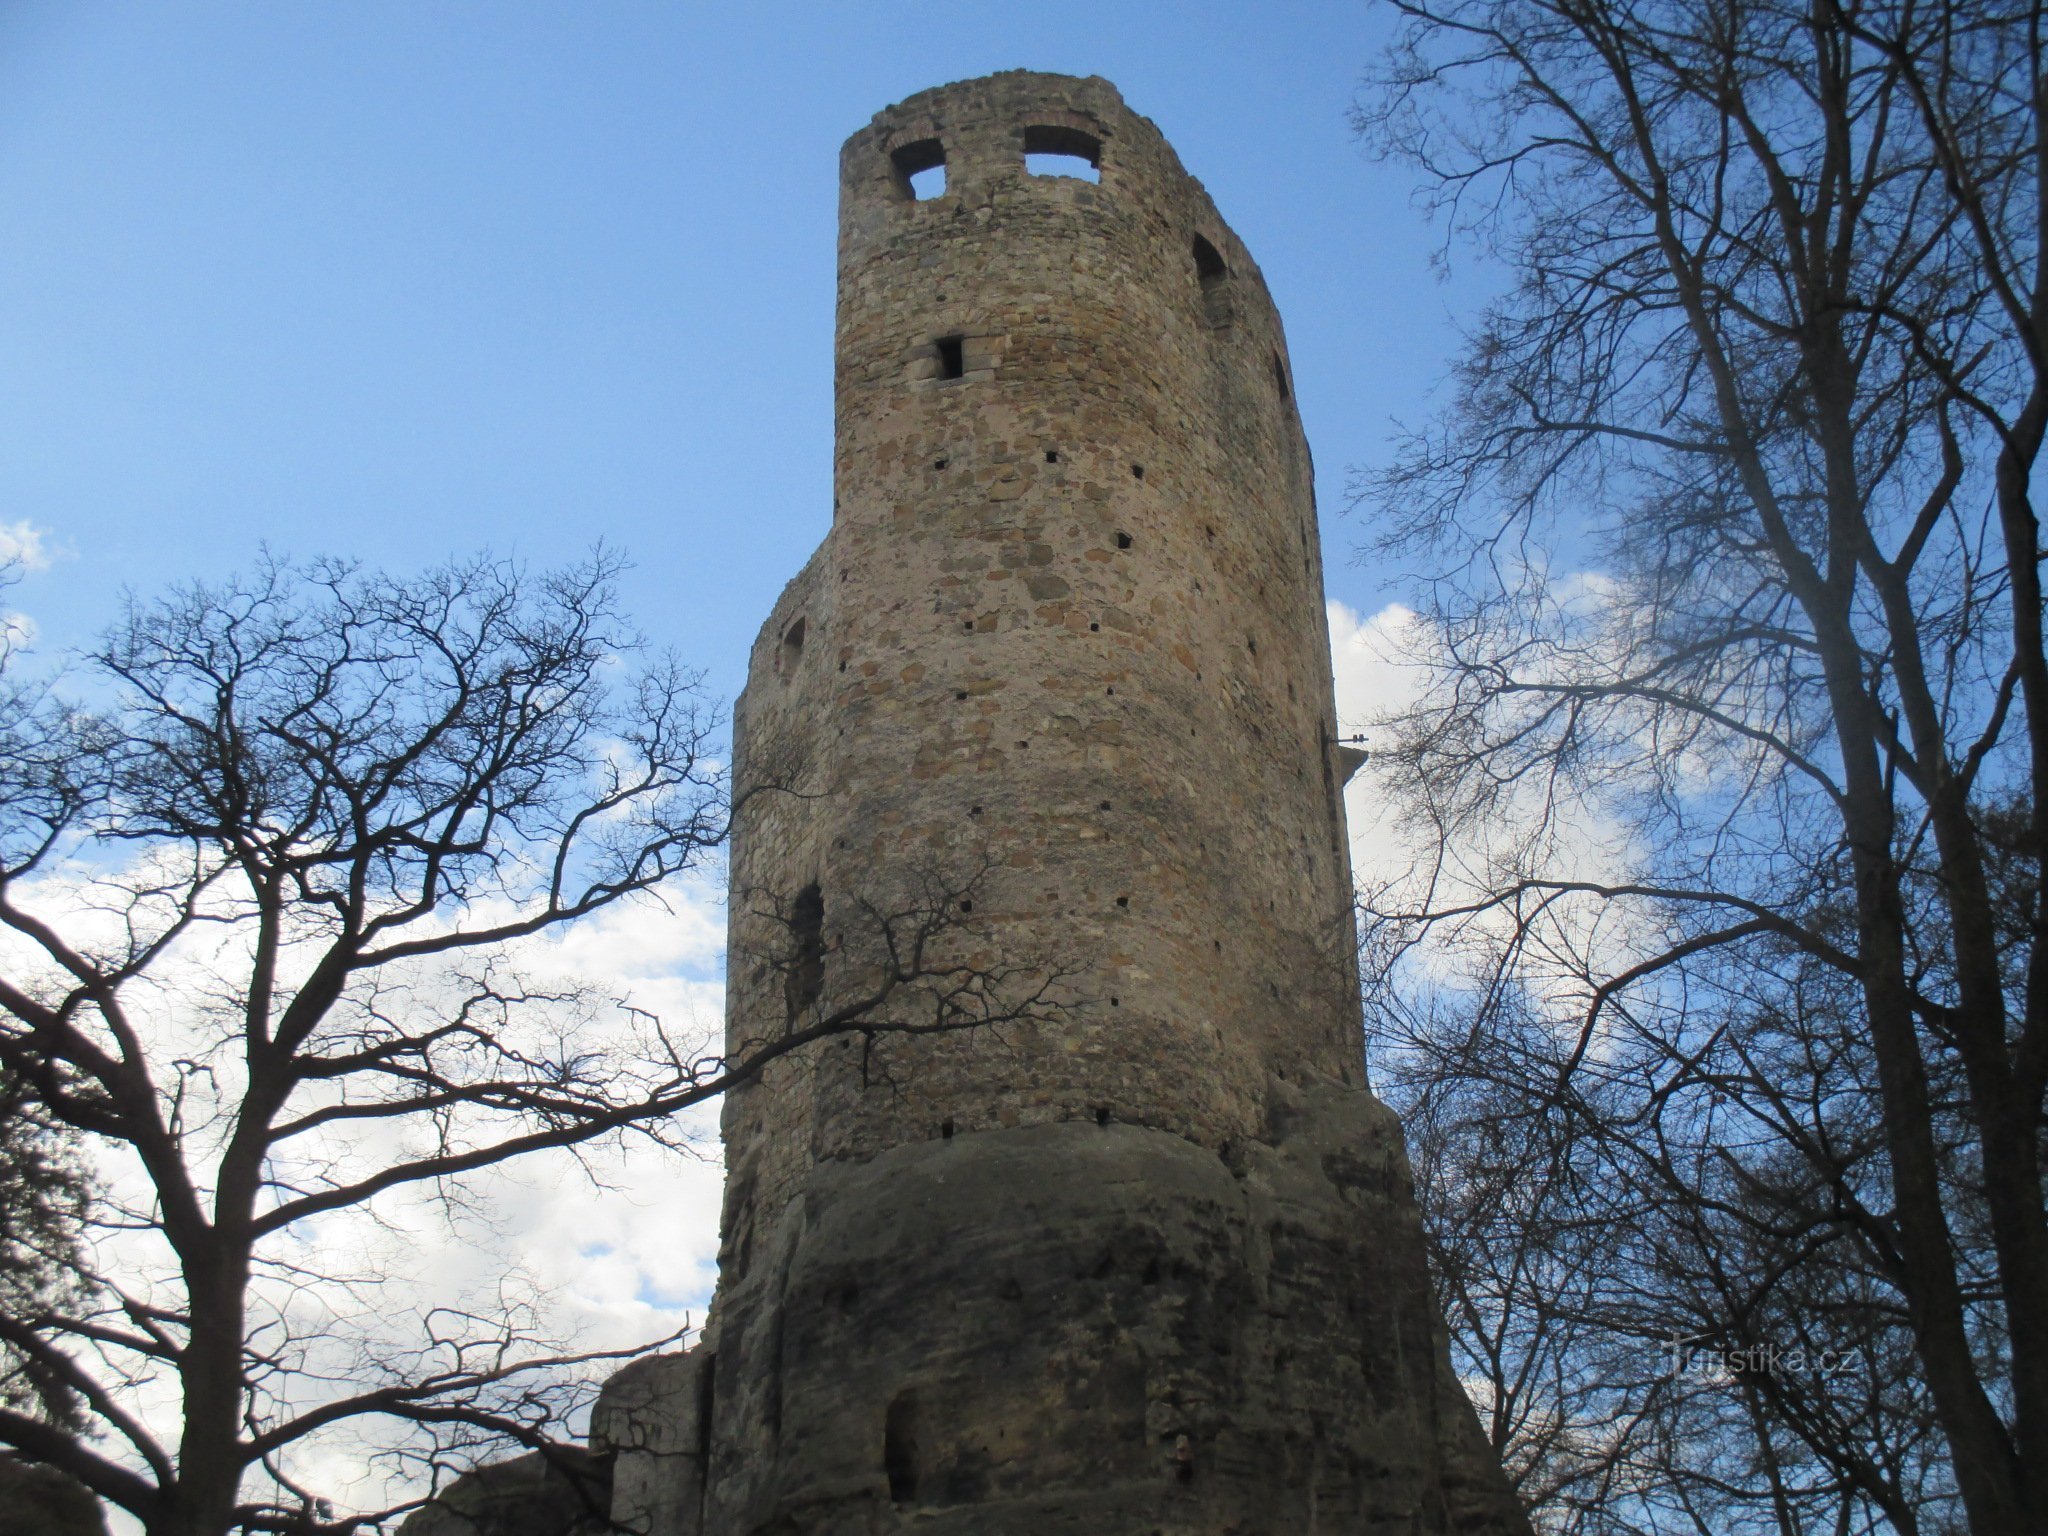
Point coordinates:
pixel 1691 1356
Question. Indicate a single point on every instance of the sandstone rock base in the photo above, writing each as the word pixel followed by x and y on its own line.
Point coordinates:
pixel 1075 1327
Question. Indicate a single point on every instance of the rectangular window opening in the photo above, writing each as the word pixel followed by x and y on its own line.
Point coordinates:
pixel 921 169
pixel 1214 276
pixel 952 356
pixel 1053 151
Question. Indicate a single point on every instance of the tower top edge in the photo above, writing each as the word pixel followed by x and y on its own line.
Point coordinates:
pixel 974 109
pixel 1010 87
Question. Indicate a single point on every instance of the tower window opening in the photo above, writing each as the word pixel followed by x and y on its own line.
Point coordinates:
pixel 921 169
pixel 899 1449
pixel 1214 277
pixel 1280 377
pixel 805 979
pixel 792 648
pixel 1052 455
pixel 1137 471
pixel 1052 151
pixel 1123 540
pixel 952 351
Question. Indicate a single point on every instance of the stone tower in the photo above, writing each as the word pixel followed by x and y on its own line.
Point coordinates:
pixel 1146 1261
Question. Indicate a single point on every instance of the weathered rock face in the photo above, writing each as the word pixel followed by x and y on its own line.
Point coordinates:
pixel 1152 1266
pixel 37 1500
pixel 562 1493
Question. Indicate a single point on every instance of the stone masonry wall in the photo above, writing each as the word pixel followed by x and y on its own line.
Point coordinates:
pixel 1069 617
pixel 1150 1266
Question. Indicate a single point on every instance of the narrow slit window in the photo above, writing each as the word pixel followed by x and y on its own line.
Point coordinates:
pixel 804 978
pixel 1213 274
pixel 899 1448
pixel 1050 151
pixel 792 648
pixel 1280 377
pixel 921 169
pixel 952 356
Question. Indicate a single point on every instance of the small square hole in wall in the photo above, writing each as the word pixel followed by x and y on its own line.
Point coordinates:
pixel 1123 541
pixel 1052 455
pixel 1214 278
pixel 1053 151
pixel 952 352
pixel 1137 471
pixel 921 169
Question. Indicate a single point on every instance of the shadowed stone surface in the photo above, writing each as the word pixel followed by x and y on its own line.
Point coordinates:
pixel 36 1500
pixel 560 1494
pixel 1104 1328
pixel 651 1420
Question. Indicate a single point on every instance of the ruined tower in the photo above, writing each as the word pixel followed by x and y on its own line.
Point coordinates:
pixel 1147 1259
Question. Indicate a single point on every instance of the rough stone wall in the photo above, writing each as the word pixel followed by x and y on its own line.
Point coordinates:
pixel 38 1500
pixel 1070 614
pixel 1152 1266
pixel 563 1492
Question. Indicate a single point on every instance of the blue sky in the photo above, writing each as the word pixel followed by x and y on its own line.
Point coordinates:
pixel 401 279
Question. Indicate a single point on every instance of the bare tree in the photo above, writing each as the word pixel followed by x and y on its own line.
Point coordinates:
pixel 1672 1323
pixel 1737 737
pixel 42 1204
pixel 264 899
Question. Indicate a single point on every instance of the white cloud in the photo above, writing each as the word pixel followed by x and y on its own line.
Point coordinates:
pixel 1380 663
pixel 25 546
pixel 24 549
pixel 1370 659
